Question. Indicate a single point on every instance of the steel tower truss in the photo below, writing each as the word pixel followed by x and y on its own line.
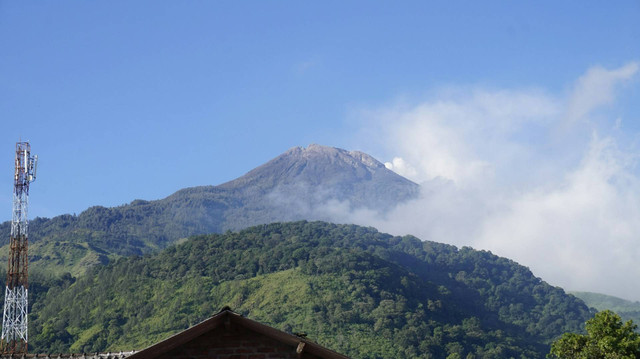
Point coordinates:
pixel 14 320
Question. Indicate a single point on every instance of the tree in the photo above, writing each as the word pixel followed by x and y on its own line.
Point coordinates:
pixel 607 338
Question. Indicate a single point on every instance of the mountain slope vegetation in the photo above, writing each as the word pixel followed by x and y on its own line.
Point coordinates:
pixel 350 288
pixel 627 309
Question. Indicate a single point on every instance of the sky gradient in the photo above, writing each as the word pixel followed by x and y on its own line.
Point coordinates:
pixel 522 117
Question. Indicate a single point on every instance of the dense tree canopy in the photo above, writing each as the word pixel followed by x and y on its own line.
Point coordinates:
pixel 607 338
pixel 361 292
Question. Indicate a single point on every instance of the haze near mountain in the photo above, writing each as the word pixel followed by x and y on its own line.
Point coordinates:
pixel 305 183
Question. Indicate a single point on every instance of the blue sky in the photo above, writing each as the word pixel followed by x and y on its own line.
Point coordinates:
pixel 124 100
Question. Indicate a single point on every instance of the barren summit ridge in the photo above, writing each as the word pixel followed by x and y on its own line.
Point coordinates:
pixel 318 165
pixel 352 157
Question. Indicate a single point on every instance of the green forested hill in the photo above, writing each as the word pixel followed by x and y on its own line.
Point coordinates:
pixel 353 289
pixel 628 310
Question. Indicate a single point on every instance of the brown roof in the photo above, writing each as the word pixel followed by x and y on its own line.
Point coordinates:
pixel 224 318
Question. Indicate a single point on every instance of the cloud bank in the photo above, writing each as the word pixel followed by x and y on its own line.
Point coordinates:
pixel 547 180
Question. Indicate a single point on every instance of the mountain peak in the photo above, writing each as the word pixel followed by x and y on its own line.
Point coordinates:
pixel 317 152
pixel 312 176
pixel 318 165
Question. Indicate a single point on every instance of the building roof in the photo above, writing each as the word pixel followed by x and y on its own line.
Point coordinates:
pixel 226 318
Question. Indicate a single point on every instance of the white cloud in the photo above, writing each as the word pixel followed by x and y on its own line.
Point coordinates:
pixel 581 233
pixel 522 173
pixel 451 137
pixel 596 88
pixel 402 168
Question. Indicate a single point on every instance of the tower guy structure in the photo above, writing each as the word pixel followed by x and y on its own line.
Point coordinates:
pixel 14 320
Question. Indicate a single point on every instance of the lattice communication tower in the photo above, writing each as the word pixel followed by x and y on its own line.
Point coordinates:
pixel 14 320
